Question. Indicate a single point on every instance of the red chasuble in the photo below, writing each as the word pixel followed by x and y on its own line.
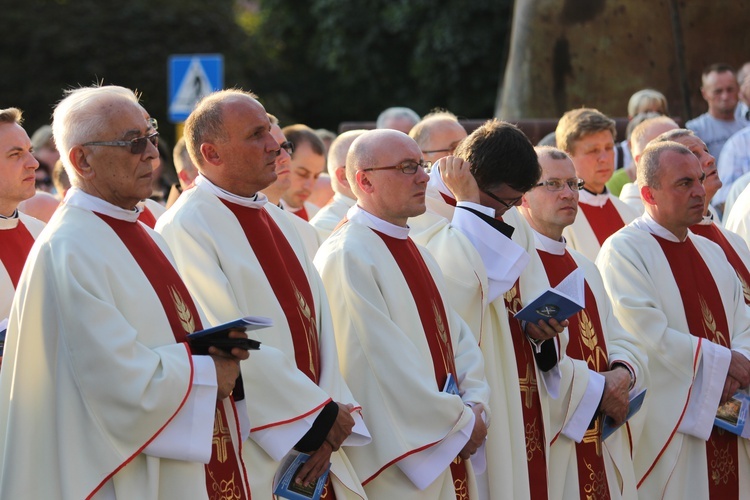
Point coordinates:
pixel 15 245
pixel 147 217
pixel 531 405
pixel 290 286
pixel 705 314
pixel 429 304
pixel 224 475
pixel 586 343
pixel 713 233
pixel 604 220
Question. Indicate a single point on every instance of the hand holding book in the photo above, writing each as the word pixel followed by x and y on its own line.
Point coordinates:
pixel 218 336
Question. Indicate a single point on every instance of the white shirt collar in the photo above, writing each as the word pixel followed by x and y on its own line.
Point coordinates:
pixel 358 215
pixel 648 224
pixel 257 201
pixel 596 200
pixel 14 215
pixel 78 198
pixel 549 245
pixel 436 182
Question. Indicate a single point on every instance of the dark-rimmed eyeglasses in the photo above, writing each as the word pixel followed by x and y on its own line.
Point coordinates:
pixel 137 146
pixel 507 204
pixel 406 167
pixel 446 150
pixel 287 146
pixel 559 184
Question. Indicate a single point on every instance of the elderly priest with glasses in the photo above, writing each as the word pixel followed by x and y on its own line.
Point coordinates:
pixel 102 396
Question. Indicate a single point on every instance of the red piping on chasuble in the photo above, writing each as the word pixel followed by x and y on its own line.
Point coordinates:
pixel 604 220
pixel 223 473
pixel 706 316
pixel 288 281
pixel 15 245
pixel 435 324
pixel 587 344
pixel 713 233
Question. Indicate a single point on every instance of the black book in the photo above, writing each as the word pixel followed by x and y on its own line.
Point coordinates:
pixel 218 336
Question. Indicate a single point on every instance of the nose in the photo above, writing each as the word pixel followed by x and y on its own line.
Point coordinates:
pixel 33 163
pixel 272 145
pixel 283 157
pixel 710 160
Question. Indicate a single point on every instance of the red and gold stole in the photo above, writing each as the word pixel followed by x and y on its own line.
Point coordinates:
pixel 224 476
pixel 586 343
pixel 531 405
pixel 431 311
pixel 705 314
pixel 713 233
pixel 15 245
pixel 147 217
pixel 604 220
pixel 288 281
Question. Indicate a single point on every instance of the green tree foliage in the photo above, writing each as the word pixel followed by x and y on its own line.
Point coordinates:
pixel 318 61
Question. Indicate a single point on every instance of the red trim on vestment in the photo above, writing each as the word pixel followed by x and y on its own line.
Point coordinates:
pixel 15 245
pixel 283 422
pixel 604 221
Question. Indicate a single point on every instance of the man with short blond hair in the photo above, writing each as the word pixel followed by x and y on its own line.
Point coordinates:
pixel 676 292
pixel 588 136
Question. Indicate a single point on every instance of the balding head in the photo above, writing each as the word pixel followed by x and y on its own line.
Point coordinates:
pixel 337 161
pixel 378 168
pixel 647 131
pixel 438 134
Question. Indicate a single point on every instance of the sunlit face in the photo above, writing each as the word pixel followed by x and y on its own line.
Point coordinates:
pixel 17 166
pixel 119 176
pixel 443 139
pixel 721 92
pixel 282 161
pixel 594 159
pixel 248 156
pixel 680 199
pixel 549 212
pixel 712 183
pixel 396 196
pixel 306 165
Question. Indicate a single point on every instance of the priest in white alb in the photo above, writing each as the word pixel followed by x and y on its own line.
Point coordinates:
pixel 588 136
pixel 676 292
pixel 406 355
pixel 329 216
pixel 17 230
pixel 102 397
pixel 240 256
pixel 580 461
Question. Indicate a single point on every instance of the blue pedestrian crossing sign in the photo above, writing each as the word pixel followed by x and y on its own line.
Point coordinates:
pixel 191 77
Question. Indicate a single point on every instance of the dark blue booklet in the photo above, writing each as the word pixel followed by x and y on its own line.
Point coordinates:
pixel 609 426
pixel 218 336
pixel 286 485
pixel 561 302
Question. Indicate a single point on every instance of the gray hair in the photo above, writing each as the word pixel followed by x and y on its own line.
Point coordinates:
pixel 648 169
pixel 396 113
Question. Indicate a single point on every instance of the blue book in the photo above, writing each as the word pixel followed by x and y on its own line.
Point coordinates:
pixel 218 336
pixel 288 488
pixel 3 332
pixel 609 426
pixel 732 415
pixel 561 302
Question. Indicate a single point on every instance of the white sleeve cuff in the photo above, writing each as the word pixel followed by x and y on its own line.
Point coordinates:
pixel 706 392
pixel 360 435
pixel 579 421
pixel 189 435
pixel 279 440
pixel 424 467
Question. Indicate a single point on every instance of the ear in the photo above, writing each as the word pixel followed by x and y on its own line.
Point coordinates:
pixel 648 195
pixel 340 174
pixel 80 163
pixel 210 154
pixel 363 182
pixel 524 201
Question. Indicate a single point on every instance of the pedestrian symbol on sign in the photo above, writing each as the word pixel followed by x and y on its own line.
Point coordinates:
pixel 192 77
pixel 194 86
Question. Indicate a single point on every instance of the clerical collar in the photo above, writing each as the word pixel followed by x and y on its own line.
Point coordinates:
pixel 75 197
pixel 707 219
pixel 258 200
pixel 359 215
pixel 648 224
pixel 549 245
pixel 14 215
pixel 593 199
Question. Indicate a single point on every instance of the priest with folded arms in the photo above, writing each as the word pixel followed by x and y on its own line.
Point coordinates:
pixel 676 292
pixel 407 356
pixel 581 464
pixel 102 397
pixel 241 255
pixel 17 230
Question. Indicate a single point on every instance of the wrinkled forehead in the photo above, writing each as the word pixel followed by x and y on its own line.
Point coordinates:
pixel 556 168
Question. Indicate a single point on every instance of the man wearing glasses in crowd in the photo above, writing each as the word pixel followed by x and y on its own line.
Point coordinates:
pixel 438 134
pixel 493 268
